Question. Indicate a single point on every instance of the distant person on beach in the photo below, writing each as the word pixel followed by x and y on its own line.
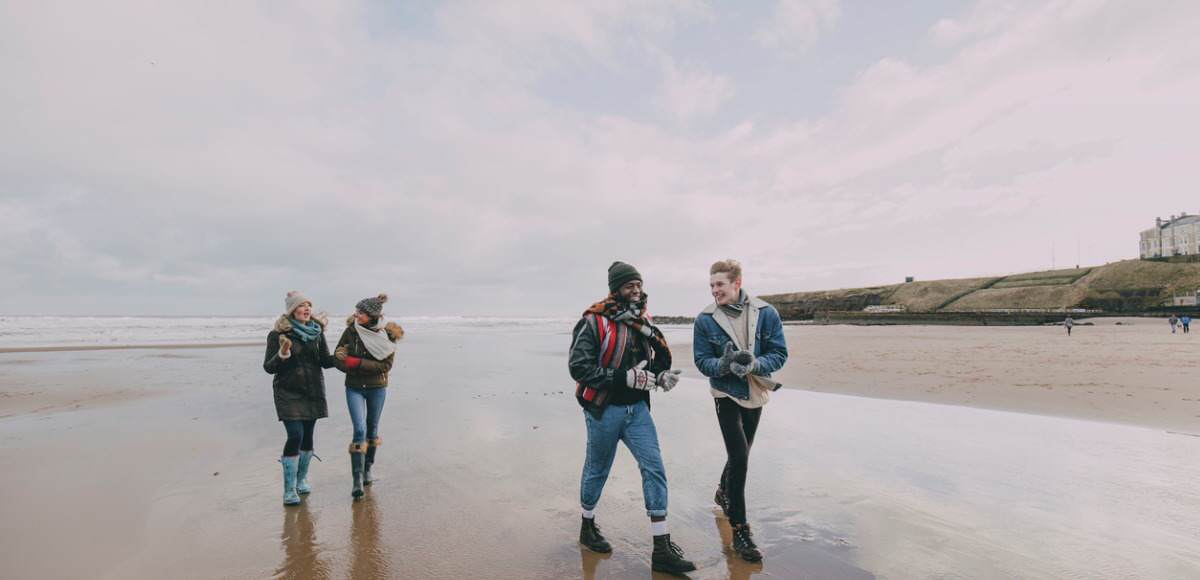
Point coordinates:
pixel 1185 321
pixel 738 342
pixel 1069 323
pixel 1172 321
pixel 365 353
pixel 617 357
pixel 297 354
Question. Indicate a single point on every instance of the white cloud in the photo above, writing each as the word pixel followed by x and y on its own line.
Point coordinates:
pixel 688 93
pixel 795 25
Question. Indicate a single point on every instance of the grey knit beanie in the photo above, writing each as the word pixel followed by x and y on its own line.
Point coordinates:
pixel 293 301
pixel 372 307
pixel 619 273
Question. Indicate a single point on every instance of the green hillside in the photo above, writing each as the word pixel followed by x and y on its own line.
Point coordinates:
pixel 1128 286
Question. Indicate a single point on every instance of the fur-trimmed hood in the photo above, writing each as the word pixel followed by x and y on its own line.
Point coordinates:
pixel 394 331
pixel 283 323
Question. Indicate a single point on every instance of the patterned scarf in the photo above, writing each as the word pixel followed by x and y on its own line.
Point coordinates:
pixel 307 331
pixel 634 316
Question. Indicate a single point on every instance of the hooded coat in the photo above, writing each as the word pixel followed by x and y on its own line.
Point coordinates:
pixel 371 372
pixel 299 382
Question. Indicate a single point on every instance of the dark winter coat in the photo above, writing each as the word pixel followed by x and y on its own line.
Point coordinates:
pixel 584 364
pixel 299 379
pixel 371 372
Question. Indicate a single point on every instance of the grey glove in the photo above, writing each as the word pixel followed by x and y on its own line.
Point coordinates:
pixel 726 360
pixel 667 380
pixel 639 378
pixel 743 363
pixel 742 370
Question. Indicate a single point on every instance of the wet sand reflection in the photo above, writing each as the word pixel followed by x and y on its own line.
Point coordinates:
pixel 367 548
pixel 301 552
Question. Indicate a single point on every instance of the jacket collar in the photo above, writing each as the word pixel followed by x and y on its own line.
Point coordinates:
pixel 756 304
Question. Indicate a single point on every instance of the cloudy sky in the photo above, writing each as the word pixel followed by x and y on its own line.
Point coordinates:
pixel 494 157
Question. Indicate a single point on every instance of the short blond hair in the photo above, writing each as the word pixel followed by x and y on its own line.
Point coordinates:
pixel 730 267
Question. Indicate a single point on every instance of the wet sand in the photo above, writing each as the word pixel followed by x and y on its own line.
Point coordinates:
pixel 478 477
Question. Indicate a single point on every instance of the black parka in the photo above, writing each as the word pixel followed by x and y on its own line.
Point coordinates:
pixel 299 382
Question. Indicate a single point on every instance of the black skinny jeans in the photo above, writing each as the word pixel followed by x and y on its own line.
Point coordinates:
pixel 299 436
pixel 738 425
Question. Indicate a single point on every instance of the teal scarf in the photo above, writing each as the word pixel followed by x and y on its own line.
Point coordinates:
pixel 307 331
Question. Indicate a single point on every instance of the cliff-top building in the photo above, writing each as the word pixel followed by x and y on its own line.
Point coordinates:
pixel 1178 236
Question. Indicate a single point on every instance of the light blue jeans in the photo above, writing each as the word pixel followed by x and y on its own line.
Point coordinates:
pixel 366 406
pixel 633 425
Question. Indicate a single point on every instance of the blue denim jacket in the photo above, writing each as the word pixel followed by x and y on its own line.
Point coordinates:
pixel 765 336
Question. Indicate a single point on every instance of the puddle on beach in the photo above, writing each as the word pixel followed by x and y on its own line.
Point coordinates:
pixel 479 475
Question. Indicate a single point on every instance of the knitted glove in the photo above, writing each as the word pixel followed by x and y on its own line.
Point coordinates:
pixel 741 370
pixel 352 362
pixel 667 380
pixel 340 353
pixel 639 378
pixel 726 359
pixel 285 346
pixel 743 357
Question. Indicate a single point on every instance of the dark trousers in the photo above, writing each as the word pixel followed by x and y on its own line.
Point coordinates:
pixel 299 436
pixel 738 425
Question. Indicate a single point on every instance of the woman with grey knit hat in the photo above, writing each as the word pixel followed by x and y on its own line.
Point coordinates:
pixel 365 353
pixel 296 355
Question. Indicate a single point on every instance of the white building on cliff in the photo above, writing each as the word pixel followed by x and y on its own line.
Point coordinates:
pixel 1178 236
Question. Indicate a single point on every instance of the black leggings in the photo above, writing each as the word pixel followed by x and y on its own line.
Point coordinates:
pixel 738 425
pixel 299 436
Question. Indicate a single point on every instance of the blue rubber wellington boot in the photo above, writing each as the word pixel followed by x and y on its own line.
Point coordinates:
pixel 302 487
pixel 290 466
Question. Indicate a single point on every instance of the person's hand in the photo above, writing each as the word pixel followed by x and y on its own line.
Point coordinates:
pixel 667 380
pixel 340 353
pixel 285 346
pixel 352 362
pixel 639 378
pixel 726 360
pixel 743 357
pixel 741 370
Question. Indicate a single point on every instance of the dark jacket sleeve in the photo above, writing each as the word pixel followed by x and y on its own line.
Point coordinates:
pixel 772 347
pixel 584 359
pixel 370 366
pixel 704 352
pixel 271 361
pixel 327 359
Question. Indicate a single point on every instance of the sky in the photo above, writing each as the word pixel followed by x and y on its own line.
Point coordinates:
pixel 493 158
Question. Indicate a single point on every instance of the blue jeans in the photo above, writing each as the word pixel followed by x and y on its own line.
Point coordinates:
pixel 633 425
pixel 366 406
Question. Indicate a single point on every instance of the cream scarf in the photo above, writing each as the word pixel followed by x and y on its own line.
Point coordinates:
pixel 376 340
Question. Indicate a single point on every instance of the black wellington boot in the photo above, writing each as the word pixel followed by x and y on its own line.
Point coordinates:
pixel 743 544
pixel 357 460
pixel 370 460
pixel 668 557
pixel 590 537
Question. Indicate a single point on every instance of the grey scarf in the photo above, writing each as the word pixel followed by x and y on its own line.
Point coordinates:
pixel 735 309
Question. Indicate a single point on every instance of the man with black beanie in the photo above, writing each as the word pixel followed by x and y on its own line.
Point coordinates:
pixel 617 356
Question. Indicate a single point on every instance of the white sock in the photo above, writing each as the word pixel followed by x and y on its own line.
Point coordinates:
pixel 589 514
pixel 658 528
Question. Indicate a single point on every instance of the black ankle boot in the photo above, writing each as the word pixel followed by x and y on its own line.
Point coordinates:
pixel 722 500
pixel 589 536
pixel 668 557
pixel 743 544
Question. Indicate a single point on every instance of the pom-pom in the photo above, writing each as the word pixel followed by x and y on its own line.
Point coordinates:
pixel 382 297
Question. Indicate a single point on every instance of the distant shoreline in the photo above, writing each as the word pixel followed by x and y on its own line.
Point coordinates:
pixel 22 349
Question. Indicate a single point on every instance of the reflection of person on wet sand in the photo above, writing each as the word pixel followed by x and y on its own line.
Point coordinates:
pixel 365 353
pixel 739 569
pixel 367 553
pixel 296 354
pixel 617 356
pixel 738 342
pixel 301 556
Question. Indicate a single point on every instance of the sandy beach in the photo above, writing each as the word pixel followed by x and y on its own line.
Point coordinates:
pixel 161 463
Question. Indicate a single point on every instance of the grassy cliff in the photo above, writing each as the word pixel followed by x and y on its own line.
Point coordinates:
pixel 1128 286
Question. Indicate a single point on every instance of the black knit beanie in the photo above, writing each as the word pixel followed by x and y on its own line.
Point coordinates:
pixel 619 273
pixel 373 306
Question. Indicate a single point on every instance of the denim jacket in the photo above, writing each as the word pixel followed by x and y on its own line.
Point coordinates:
pixel 710 333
